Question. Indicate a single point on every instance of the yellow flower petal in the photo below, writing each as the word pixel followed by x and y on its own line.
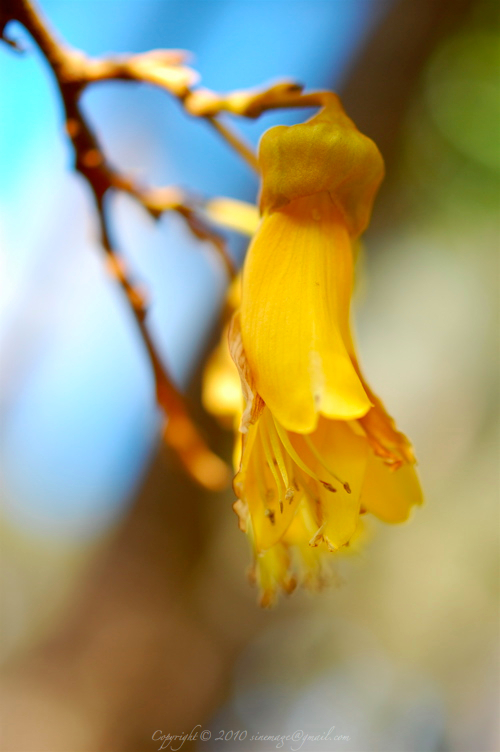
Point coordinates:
pixel 253 404
pixel 389 494
pixel 233 214
pixel 295 300
pixel 381 431
pixel 386 441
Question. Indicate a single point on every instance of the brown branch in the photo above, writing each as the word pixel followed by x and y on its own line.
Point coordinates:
pixel 69 69
pixel 252 103
pixel 74 72
pixel 165 69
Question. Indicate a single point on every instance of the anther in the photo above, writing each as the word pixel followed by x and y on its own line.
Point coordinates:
pixel 270 514
pixel 281 507
pixel 290 584
pixel 317 537
pixel 320 459
pixel 290 493
pixel 328 486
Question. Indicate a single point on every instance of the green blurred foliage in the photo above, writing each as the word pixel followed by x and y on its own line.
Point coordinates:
pixel 453 148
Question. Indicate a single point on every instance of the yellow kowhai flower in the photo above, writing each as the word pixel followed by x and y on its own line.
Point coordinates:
pixel 318 448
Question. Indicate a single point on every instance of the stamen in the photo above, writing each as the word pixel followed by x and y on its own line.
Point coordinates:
pixel 314 502
pixel 266 493
pixel 320 459
pixel 290 468
pixel 329 486
pixel 293 454
pixel 269 460
pixel 317 537
pixel 275 444
pixel 269 513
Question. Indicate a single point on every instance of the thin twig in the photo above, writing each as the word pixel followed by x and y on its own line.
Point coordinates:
pixel 165 69
pixel 235 141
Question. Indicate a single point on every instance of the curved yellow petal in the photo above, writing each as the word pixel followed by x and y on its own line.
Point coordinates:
pixel 295 295
pixel 377 425
pixel 386 441
pixel 390 494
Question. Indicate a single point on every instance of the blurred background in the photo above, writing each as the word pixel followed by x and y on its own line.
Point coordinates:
pixel 125 607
